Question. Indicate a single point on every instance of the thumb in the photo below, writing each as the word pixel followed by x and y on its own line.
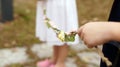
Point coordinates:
pixel 79 31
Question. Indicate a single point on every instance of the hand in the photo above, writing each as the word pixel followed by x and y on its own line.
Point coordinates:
pixel 95 33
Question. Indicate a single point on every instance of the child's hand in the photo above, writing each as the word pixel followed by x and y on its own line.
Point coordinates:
pixel 95 33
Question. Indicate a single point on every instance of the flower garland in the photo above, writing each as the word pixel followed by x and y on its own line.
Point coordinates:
pixel 64 37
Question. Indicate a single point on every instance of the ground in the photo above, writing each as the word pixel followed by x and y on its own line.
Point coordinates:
pixel 80 56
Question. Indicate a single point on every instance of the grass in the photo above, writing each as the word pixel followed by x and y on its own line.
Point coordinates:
pixel 93 10
pixel 20 31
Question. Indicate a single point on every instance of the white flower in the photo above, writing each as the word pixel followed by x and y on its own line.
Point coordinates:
pixel 53 24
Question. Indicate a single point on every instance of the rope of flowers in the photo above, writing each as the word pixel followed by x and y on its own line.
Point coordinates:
pixel 63 36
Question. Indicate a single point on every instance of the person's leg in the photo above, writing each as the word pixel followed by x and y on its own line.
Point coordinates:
pixel 63 51
pixel 52 61
pixel 55 54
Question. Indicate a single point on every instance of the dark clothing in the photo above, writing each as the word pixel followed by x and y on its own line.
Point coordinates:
pixel 111 49
pixel 115 12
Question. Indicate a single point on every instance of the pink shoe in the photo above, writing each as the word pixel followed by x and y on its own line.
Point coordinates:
pixel 45 63
pixel 52 65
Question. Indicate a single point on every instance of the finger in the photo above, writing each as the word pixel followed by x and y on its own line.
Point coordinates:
pixel 80 31
pixel 90 46
pixel 83 36
pixel 87 43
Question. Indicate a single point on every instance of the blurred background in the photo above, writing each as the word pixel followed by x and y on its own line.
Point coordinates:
pixel 20 47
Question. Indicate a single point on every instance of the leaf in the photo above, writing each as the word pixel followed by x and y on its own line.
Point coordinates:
pixel 70 38
pixel 47 23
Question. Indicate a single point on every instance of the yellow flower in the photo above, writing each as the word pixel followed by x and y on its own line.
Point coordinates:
pixel 61 36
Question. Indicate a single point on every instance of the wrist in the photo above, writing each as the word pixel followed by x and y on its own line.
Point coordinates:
pixel 115 31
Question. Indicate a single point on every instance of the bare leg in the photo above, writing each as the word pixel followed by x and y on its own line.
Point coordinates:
pixel 63 51
pixel 55 54
pixel 53 60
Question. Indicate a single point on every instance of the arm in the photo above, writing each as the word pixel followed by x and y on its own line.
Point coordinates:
pixel 116 32
pixel 98 33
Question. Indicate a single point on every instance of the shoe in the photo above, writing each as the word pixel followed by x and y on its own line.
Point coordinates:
pixel 52 65
pixel 45 63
